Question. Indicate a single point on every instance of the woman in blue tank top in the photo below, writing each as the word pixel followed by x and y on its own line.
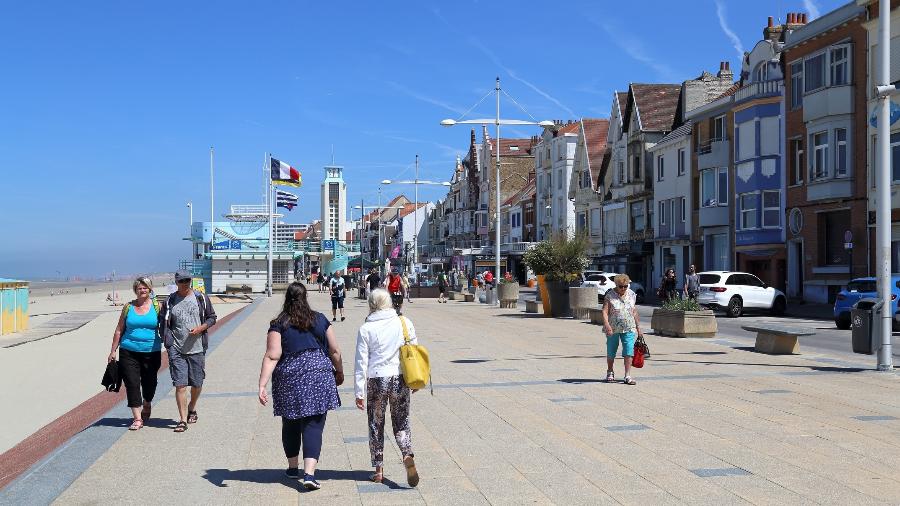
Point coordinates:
pixel 137 338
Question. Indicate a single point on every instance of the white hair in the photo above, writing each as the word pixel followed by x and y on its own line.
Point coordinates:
pixel 379 299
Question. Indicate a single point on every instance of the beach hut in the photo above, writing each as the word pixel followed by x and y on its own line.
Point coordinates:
pixel 13 306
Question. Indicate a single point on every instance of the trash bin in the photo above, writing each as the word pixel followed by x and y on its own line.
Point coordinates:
pixel 862 322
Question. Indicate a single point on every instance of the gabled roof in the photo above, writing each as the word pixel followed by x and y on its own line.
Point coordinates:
pixel 678 133
pixel 595 131
pixel 410 208
pixel 569 128
pixel 730 91
pixel 621 101
pixel 513 147
pixel 527 191
pixel 656 105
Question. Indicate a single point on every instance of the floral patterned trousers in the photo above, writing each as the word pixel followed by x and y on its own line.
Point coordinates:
pixel 380 392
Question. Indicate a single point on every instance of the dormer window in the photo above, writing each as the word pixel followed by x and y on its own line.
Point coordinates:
pixel 762 72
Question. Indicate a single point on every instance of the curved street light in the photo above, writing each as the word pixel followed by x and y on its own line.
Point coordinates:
pixel 497 121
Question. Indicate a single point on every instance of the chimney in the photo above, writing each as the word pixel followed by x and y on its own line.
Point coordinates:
pixel 725 72
pixel 772 32
pixel 803 18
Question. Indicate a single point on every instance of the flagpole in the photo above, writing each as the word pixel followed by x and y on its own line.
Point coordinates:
pixel 212 193
pixel 267 171
pixel 271 201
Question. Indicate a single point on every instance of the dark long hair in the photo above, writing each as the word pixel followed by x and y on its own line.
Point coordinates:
pixel 296 311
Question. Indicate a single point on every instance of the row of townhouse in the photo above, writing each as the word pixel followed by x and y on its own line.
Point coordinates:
pixel 769 171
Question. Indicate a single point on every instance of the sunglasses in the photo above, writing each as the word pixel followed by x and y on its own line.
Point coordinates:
pixel 183 281
pixel 621 286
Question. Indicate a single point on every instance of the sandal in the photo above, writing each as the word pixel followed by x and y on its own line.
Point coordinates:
pixel 136 425
pixel 180 427
pixel 412 476
pixel 629 381
pixel 145 412
pixel 192 417
pixel 377 477
pixel 610 376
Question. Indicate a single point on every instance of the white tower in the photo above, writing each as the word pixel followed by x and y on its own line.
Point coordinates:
pixel 334 204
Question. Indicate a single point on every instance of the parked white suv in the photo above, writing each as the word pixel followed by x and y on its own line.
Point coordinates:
pixel 736 291
pixel 604 282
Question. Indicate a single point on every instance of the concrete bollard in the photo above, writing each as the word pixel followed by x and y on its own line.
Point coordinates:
pixel 582 300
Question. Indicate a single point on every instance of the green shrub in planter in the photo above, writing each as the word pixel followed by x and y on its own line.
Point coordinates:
pixel 681 305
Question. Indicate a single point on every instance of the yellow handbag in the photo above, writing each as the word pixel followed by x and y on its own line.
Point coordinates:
pixel 414 362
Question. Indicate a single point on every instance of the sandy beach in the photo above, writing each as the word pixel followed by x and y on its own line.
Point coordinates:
pixel 42 380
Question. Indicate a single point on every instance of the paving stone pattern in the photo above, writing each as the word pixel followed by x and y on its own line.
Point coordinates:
pixel 533 424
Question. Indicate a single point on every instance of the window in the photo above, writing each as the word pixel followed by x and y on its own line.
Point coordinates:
pixel 819 162
pixel 681 160
pixel 581 223
pixel 637 216
pixel 717 253
pixel 798 161
pixel 769 135
pixel 660 168
pixel 840 66
pixel 637 167
pixel 683 209
pixel 796 85
pixel 620 172
pixel 714 187
pixel 672 217
pixel 832 227
pixel 762 72
pixel 559 179
pixel 840 152
pixel 595 221
pixel 718 128
pixel 746 144
pixel 814 72
pixel 585 179
pixel 749 204
pixel 771 208
pixel 662 213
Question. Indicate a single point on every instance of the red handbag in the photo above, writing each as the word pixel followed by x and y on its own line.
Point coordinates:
pixel 640 351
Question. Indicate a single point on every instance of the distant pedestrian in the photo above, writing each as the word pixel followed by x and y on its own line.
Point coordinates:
pixel 668 286
pixel 442 283
pixel 489 278
pixel 379 382
pixel 139 344
pixel 304 363
pixel 373 281
pixel 338 289
pixel 479 280
pixel 185 319
pixel 621 323
pixel 692 284
pixel 405 279
pixel 394 285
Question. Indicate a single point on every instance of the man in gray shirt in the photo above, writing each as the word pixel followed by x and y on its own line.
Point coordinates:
pixel 184 320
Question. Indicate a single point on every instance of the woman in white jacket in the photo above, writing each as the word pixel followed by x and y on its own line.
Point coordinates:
pixel 379 380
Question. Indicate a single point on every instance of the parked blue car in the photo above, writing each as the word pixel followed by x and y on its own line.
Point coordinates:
pixel 857 289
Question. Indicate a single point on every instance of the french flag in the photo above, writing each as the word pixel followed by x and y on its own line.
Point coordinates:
pixel 284 174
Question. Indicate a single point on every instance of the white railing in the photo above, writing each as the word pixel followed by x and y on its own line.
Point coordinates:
pixel 771 87
pixel 249 209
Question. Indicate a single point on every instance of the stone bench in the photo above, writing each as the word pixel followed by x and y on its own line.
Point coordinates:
pixel 777 339
pixel 454 295
pixel 597 316
pixel 534 306
pixel 468 297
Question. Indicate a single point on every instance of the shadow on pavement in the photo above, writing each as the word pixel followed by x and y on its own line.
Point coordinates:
pixel 469 361
pixel 580 381
pixel 520 315
pixel 218 477
pixel 156 423
pixel 787 366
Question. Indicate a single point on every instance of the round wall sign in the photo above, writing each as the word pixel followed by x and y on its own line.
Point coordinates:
pixel 795 221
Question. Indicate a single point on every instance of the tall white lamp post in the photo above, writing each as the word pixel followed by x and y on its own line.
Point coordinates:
pixel 416 182
pixel 497 122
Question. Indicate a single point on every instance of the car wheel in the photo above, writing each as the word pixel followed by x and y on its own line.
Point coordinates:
pixel 778 306
pixel 842 322
pixel 639 295
pixel 735 307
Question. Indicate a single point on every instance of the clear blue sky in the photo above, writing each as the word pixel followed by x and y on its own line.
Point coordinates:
pixel 108 109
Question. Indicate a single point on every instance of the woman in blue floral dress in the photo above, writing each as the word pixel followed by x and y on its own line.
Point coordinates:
pixel 304 362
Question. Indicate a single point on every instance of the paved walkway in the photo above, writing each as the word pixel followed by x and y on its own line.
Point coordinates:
pixel 518 416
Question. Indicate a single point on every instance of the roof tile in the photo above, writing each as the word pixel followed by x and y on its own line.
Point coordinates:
pixel 657 105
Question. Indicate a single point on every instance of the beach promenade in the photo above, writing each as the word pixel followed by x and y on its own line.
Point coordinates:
pixel 519 415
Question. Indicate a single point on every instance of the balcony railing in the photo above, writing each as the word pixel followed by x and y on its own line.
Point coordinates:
pixel 759 89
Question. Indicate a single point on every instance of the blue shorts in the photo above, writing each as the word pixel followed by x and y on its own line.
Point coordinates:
pixel 612 344
pixel 187 370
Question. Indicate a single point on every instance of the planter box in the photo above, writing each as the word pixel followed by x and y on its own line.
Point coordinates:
pixel 582 300
pixel 534 306
pixel 455 295
pixel 684 323
pixel 468 297
pixel 508 292
pixel 544 295
pixel 596 315
pixel 558 292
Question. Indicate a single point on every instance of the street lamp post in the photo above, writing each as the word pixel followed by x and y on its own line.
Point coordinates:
pixel 416 182
pixel 497 122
